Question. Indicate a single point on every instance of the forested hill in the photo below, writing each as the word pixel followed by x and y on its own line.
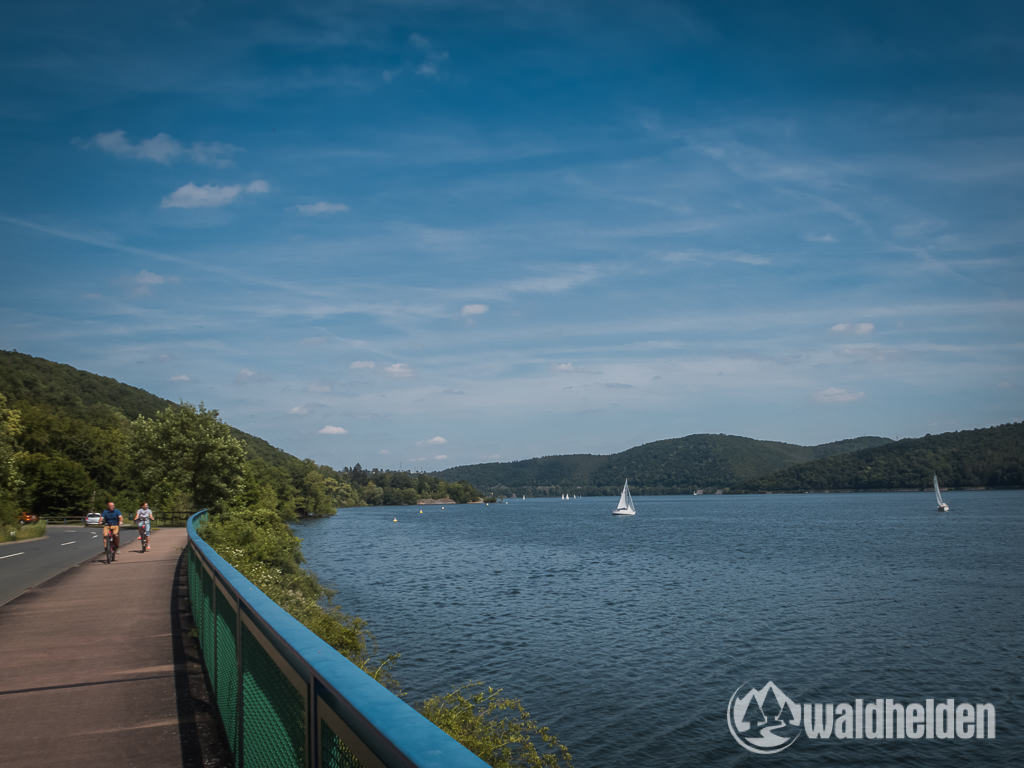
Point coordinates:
pixel 677 465
pixel 70 440
pixel 992 457
pixel 93 398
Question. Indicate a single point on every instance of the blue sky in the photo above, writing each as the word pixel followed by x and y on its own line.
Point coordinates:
pixel 419 234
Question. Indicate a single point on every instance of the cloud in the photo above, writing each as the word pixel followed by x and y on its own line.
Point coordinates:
pixel 432 57
pixel 384 452
pixel 316 387
pixel 145 281
pixel 441 457
pixel 162 148
pixel 358 364
pixel 435 440
pixel 211 195
pixel 469 310
pixel 180 377
pixel 299 410
pixel 837 395
pixel 564 367
pixel 859 329
pixel 332 430
pixel 825 238
pixel 735 257
pixel 399 370
pixel 317 209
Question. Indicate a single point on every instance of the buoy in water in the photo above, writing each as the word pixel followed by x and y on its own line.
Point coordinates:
pixel 421 511
pixel 394 520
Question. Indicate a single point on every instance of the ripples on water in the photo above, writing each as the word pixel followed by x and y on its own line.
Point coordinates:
pixel 627 636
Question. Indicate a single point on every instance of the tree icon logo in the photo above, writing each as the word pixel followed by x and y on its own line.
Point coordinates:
pixel 763 720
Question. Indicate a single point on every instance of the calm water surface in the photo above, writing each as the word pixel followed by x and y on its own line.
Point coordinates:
pixel 628 635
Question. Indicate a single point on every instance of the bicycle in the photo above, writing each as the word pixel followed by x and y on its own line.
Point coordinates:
pixel 144 535
pixel 109 550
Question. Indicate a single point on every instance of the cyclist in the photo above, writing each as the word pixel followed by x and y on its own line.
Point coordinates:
pixel 112 522
pixel 143 518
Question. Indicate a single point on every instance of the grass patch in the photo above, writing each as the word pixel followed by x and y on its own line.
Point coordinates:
pixel 29 531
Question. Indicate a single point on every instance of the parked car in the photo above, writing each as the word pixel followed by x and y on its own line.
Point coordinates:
pixel 27 517
pixel 94 518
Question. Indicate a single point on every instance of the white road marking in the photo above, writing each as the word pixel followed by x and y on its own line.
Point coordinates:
pixel 66 543
pixel 4 557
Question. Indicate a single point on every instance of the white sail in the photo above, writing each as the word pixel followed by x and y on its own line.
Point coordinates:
pixel 625 506
pixel 942 506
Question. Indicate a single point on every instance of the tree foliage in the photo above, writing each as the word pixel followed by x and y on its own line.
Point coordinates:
pixel 134 446
pixel 678 465
pixel 978 458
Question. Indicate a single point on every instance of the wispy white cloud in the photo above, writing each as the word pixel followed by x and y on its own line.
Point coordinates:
pixel 144 282
pixel 564 367
pixel 298 410
pixel 319 388
pixel 332 430
pixel 737 257
pixel 469 310
pixel 837 395
pixel 321 208
pixel 181 378
pixel 441 457
pixel 162 148
pixel 362 364
pixel 435 440
pixel 858 329
pixel 432 56
pixel 822 238
pixel 211 195
pixel 399 370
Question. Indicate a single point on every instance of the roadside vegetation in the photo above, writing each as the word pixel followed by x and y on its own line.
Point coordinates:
pixel 26 531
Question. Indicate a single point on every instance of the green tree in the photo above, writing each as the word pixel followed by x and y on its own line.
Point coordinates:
pixel 10 477
pixel 55 485
pixel 187 449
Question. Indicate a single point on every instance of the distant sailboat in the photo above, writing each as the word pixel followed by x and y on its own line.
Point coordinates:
pixel 942 506
pixel 625 502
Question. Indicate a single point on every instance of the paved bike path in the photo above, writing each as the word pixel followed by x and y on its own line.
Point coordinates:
pixel 97 668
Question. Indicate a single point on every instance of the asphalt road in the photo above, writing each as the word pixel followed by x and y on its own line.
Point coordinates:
pixel 24 564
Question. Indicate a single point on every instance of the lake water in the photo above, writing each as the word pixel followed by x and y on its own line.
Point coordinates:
pixel 628 636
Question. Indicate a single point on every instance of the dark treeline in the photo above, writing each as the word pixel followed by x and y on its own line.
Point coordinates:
pixel 978 458
pixel 678 465
pixel 71 440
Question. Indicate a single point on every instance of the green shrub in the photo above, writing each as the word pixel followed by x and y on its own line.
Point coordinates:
pixel 495 728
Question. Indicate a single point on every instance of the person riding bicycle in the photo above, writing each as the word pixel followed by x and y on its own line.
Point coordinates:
pixel 112 522
pixel 143 518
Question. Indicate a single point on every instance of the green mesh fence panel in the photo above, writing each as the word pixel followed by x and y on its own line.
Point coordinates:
pixel 273 711
pixel 226 684
pixel 206 629
pixel 333 752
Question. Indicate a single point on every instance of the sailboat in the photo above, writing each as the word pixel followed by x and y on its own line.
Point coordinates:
pixel 625 502
pixel 942 506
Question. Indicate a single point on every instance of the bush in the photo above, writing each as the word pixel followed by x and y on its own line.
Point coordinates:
pixel 495 728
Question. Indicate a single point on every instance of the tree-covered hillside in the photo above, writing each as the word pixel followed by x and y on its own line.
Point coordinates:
pixel 678 465
pixel 70 440
pixel 992 457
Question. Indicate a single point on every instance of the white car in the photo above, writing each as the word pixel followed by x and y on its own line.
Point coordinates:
pixel 93 518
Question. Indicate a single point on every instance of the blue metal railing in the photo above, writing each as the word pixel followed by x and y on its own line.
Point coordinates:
pixel 286 697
